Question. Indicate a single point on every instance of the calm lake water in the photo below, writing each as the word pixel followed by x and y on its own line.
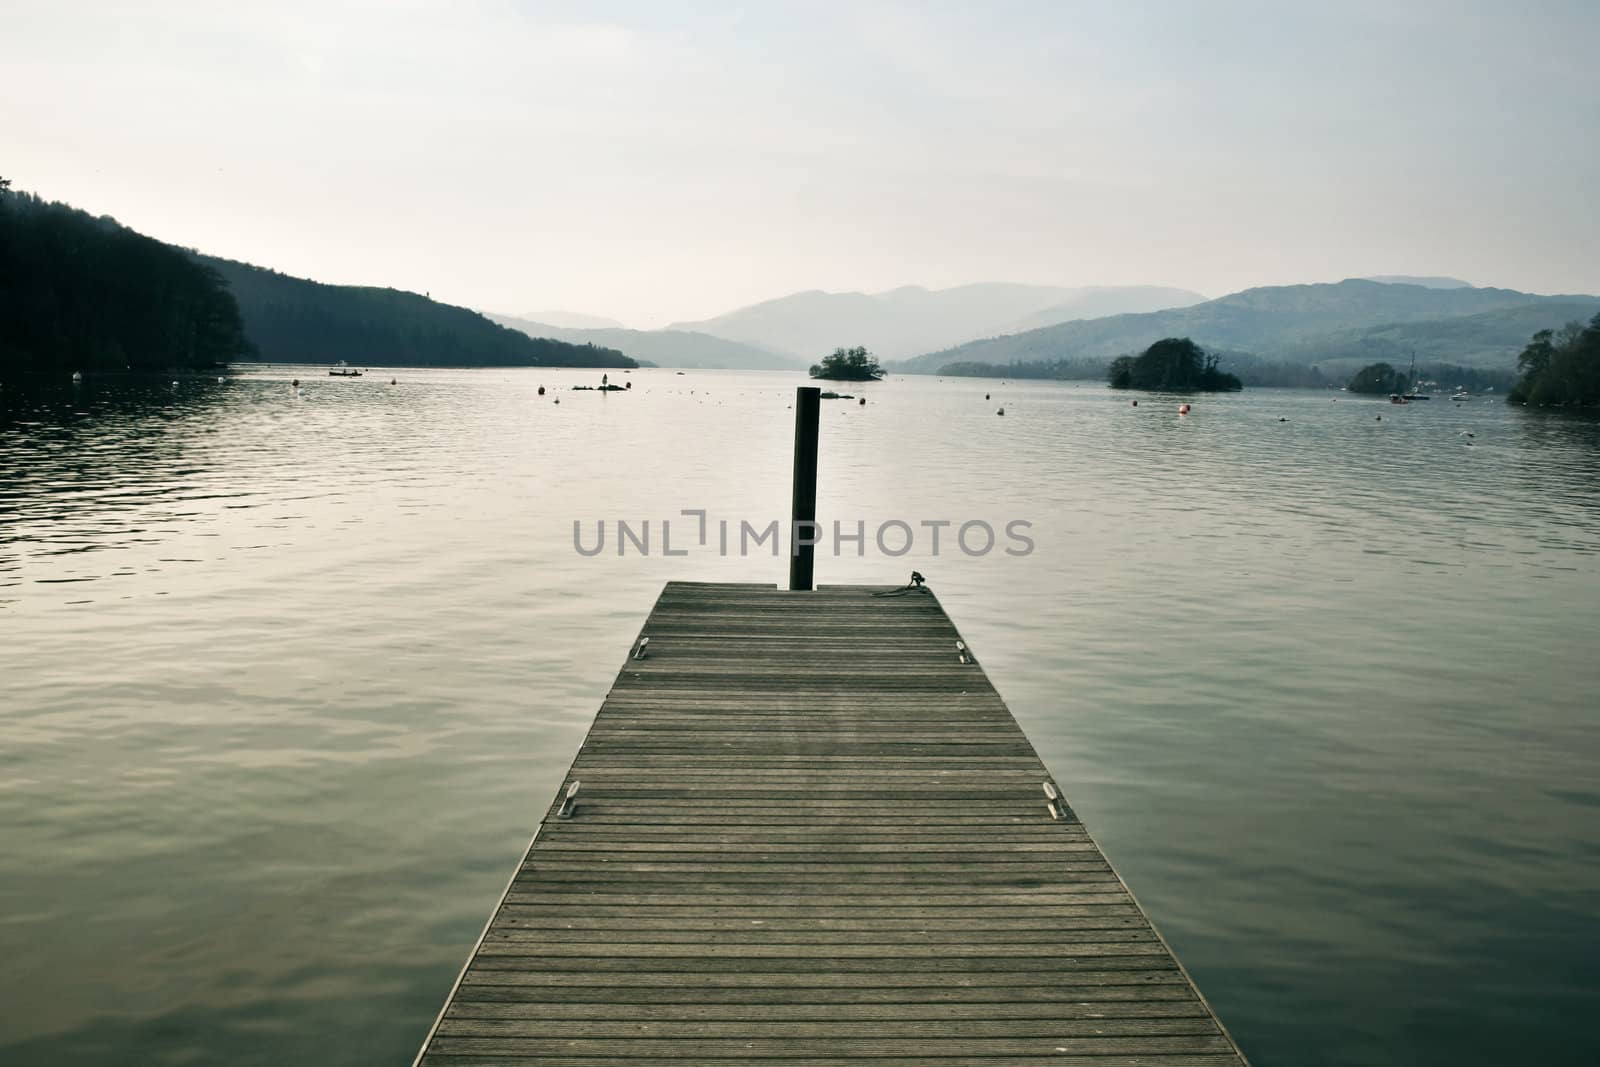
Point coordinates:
pixel 286 682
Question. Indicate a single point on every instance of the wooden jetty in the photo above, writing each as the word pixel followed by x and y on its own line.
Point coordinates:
pixel 809 833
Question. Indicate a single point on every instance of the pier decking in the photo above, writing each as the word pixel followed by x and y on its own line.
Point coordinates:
pixel 808 835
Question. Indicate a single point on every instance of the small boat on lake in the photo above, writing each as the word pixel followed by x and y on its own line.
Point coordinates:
pixel 1461 394
pixel 343 370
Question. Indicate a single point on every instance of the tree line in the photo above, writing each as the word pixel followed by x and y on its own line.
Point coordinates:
pixel 295 320
pixel 79 292
pixel 84 293
pixel 1561 368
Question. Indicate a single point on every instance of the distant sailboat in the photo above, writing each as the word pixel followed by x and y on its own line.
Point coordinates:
pixel 1411 380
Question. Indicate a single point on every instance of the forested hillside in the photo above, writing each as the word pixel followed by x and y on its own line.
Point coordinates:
pixel 1350 320
pixel 293 320
pixel 84 293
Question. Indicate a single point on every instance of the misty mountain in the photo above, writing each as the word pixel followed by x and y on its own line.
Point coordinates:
pixel 664 348
pixel 1273 322
pixel 1488 339
pixel 1424 281
pixel 905 321
pixel 1097 303
pixel 294 320
pixel 572 320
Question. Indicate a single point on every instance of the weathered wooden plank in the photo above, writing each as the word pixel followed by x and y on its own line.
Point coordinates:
pixel 704 1049
pixel 807 832
pixel 524 1008
pixel 538 988
pixel 721 987
pixel 472 1026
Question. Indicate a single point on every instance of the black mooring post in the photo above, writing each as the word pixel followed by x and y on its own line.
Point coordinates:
pixel 807 412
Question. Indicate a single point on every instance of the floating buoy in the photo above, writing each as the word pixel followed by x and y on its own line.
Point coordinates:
pixel 77 376
pixel 394 381
pixel 863 401
pixel 541 390
pixel 1183 409
pixel 1002 411
pixel 1135 403
pixel 295 384
pixel 986 396
pixel 558 400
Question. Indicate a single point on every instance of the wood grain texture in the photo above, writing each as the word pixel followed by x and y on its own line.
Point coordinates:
pixel 806 834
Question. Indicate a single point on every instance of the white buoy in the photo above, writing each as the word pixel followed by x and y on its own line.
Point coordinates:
pixel 77 376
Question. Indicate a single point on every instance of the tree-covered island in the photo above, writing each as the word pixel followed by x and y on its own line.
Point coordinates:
pixel 1172 365
pixel 1380 379
pixel 848 365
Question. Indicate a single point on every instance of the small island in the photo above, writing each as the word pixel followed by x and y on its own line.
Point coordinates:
pixel 1379 379
pixel 1560 368
pixel 848 365
pixel 1172 365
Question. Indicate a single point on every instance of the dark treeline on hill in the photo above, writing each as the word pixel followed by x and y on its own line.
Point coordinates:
pixel 1561 368
pixel 1171 365
pixel 84 293
pixel 1064 370
pixel 293 320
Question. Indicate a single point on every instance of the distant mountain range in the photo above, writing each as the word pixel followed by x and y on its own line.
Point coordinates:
pixel 294 320
pixel 1425 281
pixel 664 348
pixel 903 322
pixel 1343 322
pixel 572 320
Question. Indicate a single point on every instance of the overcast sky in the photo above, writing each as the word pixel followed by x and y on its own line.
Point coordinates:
pixel 658 161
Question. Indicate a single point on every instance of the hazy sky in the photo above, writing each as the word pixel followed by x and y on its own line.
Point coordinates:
pixel 655 161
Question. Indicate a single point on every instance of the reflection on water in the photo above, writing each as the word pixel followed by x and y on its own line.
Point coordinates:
pixel 287 678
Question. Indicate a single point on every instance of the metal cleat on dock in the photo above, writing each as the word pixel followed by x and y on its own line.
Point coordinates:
pixel 644 644
pixel 568 802
pixel 963 654
pixel 1054 802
